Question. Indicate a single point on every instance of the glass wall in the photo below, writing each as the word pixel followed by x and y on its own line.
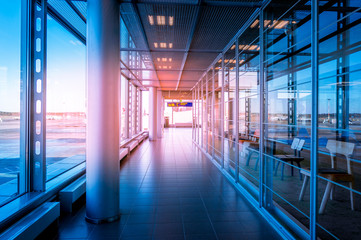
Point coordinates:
pixel 266 145
pixel 339 120
pixel 10 104
pixel 43 96
pixel 65 100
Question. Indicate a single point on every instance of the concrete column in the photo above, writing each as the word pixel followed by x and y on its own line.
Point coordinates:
pixel 102 164
pixel 160 123
pixel 153 113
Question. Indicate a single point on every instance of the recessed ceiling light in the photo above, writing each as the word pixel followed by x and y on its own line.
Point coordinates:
pixel 164 59
pixel 160 20
pixel 151 19
pixel 170 59
pixel 163 45
pixel 158 59
pixel 170 45
pixel 233 47
pixel 171 20
pixel 156 45
pixel 255 23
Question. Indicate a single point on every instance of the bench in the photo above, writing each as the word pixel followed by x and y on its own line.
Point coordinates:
pixel 33 224
pixel 72 193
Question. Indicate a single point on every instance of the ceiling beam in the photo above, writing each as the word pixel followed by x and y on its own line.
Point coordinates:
pixel 165 70
pixel 190 39
pixel 137 16
pixel 204 3
pixel 171 50
pixel 76 10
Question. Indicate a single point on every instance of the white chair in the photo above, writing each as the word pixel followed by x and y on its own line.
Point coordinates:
pixel 333 174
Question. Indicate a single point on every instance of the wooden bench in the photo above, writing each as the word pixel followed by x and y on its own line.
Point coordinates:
pixel 72 193
pixel 30 226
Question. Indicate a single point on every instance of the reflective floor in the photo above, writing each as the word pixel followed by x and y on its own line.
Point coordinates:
pixel 169 190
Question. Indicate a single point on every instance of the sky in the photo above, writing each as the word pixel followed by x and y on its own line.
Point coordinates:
pixel 66 64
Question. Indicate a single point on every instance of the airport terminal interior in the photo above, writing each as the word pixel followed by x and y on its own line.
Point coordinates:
pixel 180 119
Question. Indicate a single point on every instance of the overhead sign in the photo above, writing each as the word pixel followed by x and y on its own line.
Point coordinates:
pixel 179 104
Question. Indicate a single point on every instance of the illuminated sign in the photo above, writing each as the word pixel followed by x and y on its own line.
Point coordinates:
pixel 179 104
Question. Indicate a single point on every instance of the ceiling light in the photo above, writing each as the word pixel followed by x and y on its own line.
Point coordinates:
pixel 156 45
pixel 281 24
pixel 164 59
pixel 158 59
pixel 151 19
pixel 252 47
pixel 163 45
pixel 255 23
pixel 220 60
pixel 233 47
pixel 170 59
pixel 161 20
pixel 226 60
pixel 170 45
pixel 171 20
pixel 266 22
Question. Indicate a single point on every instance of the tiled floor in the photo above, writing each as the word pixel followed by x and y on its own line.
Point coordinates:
pixel 170 191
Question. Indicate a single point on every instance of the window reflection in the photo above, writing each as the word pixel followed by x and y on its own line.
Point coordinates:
pixel 65 106
pixel 10 162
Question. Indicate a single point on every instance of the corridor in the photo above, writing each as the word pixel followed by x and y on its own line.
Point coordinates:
pixel 170 190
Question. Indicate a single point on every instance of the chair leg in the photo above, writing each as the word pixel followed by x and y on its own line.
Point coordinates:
pixel 304 186
pixel 248 157
pixel 325 198
pixel 276 167
pixel 282 170
pixel 299 170
pixel 332 192
pixel 351 197
pixel 256 166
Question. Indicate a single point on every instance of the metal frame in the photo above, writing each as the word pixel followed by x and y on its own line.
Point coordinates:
pixel 314 117
pixel 25 108
pixel 189 41
pixel 222 114
pixel 236 117
pixel 37 145
pixel 207 113
pixel 213 116
pixel 262 103
pixel 202 114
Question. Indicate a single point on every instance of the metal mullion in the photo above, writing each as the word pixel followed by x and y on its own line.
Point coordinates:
pixel 192 115
pixel 207 112
pixel 25 106
pixel 202 113
pixel 213 113
pixel 140 110
pixel 38 97
pixel 236 117
pixel 222 113
pixel 314 117
pixel 262 106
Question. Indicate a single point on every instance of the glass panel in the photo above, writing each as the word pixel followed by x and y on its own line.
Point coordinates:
pixel 249 106
pixel 65 106
pixel 288 107
pixel 10 164
pixel 339 116
pixel 229 112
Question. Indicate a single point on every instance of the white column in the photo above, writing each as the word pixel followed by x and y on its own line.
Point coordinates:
pixel 152 113
pixel 102 162
pixel 160 123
